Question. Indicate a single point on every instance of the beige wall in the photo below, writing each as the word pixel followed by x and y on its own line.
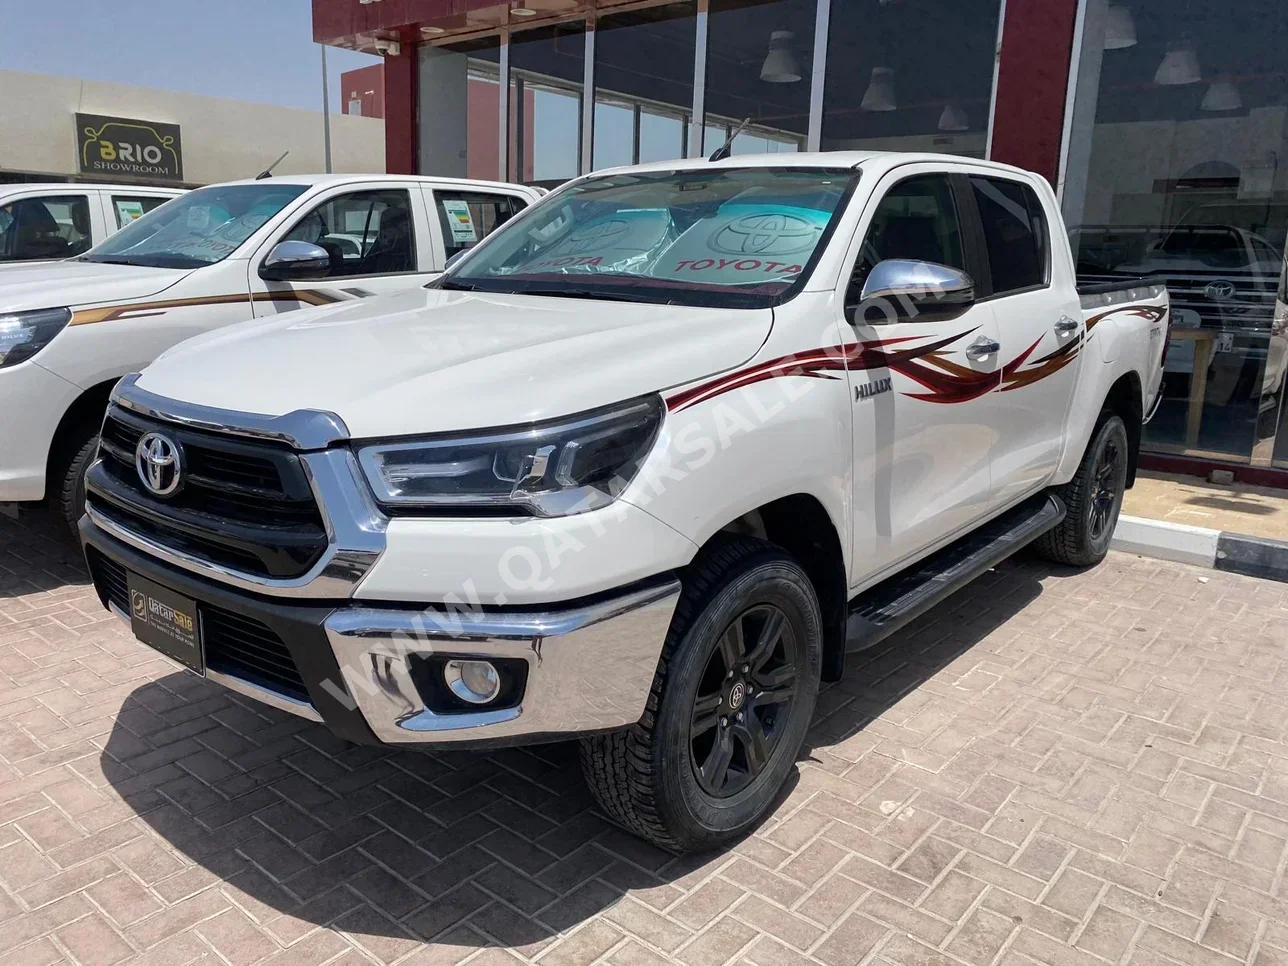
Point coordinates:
pixel 222 139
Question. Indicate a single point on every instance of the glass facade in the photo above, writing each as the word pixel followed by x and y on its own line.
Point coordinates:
pixel 643 84
pixel 760 59
pixel 1170 144
pixel 459 133
pixel 1176 170
pixel 547 70
pixel 910 76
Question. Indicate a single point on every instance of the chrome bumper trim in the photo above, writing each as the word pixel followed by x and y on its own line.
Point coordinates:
pixel 355 530
pixel 590 668
pixel 302 429
pixel 274 699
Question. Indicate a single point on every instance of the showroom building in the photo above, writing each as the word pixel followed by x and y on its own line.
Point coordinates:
pixel 1163 125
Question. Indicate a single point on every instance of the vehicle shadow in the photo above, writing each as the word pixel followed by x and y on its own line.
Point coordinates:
pixel 502 848
pixel 35 557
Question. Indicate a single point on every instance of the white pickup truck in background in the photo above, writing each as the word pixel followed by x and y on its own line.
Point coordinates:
pixel 42 222
pixel 217 255
pixel 638 469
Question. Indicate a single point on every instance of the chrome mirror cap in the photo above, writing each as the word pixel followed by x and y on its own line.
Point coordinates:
pixel 928 282
pixel 296 259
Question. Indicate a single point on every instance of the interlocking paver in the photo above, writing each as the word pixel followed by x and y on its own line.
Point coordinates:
pixel 1052 768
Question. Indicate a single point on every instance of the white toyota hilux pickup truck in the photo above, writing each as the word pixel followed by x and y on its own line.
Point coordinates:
pixel 226 253
pixel 638 469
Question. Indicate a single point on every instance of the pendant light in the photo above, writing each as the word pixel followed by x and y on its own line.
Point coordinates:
pixel 780 65
pixel 880 93
pixel 954 119
pixel 1222 95
pixel 1120 27
pixel 1180 66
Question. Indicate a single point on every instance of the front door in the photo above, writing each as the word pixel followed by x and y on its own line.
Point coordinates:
pixel 919 384
pixel 378 239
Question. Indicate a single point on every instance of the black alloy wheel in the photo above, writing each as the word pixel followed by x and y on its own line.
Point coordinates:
pixel 1106 482
pixel 743 700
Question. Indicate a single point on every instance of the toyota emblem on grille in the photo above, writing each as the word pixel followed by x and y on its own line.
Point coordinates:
pixel 1221 291
pixel 158 461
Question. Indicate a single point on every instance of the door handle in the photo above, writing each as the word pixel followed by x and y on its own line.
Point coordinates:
pixel 982 348
pixel 1066 326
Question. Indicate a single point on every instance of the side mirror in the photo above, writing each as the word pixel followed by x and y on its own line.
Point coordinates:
pixel 292 260
pixel 905 290
pixel 455 258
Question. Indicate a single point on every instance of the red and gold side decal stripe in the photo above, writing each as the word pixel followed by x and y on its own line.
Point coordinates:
pixel 926 364
pixel 139 310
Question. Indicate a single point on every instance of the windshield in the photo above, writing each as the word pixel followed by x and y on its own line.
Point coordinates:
pixel 199 228
pixel 732 237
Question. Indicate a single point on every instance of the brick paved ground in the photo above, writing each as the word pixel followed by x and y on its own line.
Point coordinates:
pixel 1053 768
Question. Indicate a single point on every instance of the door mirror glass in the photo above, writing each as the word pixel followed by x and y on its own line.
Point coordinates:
pixel 292 260
pixel 904 290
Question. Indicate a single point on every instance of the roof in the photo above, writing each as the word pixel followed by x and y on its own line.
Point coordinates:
pixel 81 185
pixel 814 159
pixel 343 179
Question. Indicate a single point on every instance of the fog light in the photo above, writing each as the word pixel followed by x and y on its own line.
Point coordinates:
pixel 474 681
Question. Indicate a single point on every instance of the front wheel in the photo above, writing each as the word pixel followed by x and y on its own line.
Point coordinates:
pixel 730 704
pixel 68 504
pixel 1094 498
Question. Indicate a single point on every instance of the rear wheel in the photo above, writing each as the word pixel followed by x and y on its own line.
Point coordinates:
pixel 1094 498
pixel 730 704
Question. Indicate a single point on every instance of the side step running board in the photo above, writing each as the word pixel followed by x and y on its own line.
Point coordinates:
pixel 881 610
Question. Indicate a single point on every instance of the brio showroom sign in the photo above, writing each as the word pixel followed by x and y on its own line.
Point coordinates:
pixel 126 147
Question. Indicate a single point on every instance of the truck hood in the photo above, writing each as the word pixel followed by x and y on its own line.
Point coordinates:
pixel 45 285
pixel 429 361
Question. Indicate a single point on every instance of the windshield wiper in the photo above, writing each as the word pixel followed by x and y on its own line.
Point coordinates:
pixel 107 260
pixel 451 286
pixel 585 293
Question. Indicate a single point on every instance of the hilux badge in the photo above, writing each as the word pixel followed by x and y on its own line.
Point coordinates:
pixel 874 388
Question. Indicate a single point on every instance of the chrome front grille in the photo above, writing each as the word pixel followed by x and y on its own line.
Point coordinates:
pixel 245 504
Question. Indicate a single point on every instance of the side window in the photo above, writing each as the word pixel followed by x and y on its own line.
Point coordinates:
pixel 1015 233
pixel 128 207
pixel 364 232
pixel 44 228
pixel 917 220
pixel 467 217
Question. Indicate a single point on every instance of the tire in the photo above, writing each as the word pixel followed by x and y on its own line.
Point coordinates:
pixel 68 504
pixel 1094 498
pixel 662 778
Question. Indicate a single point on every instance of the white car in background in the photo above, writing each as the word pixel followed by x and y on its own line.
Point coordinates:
pixel 43 222
pixel 234 252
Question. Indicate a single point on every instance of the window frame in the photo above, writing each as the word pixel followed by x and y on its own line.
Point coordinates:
pixel 111 197
pixel 346 191
pixel 967 228
pixel 437 216
pixel 984 291
pixel 44 198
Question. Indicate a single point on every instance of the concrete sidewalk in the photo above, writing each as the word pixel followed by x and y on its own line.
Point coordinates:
pixel 1236 527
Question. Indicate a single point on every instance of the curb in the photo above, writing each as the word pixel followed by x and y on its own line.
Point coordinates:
pixel 1235 553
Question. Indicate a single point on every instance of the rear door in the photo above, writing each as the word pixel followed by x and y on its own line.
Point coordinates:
pixel 379 239
pixel 921 386
pixel 1040 329
pixel 463 217
pixel 122 206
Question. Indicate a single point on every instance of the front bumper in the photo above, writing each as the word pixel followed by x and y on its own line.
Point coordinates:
pixel 590 663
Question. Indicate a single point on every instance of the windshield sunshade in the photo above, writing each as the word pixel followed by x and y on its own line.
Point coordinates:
pixel 730 237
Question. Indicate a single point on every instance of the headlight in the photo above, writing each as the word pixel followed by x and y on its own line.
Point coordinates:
pixel 551 469
pixel 23 334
